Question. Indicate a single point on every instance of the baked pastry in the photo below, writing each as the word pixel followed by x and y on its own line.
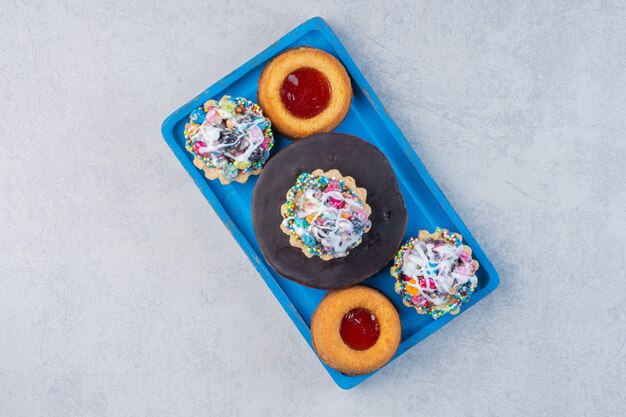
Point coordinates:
pixel 229 139
pixel 356 330
pixel 305 91
pixel 325 214
pixel 350 156
pixel 435 273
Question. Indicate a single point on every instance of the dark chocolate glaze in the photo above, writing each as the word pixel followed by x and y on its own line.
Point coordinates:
pixel 370 169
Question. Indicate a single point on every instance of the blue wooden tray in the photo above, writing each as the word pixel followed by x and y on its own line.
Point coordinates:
pixel 426 205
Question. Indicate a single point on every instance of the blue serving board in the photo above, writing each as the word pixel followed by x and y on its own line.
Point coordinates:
pixel 426 205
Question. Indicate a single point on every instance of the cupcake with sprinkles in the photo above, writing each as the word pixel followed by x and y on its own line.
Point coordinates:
pixel 325 214
pixel 435 273
pixel 230 139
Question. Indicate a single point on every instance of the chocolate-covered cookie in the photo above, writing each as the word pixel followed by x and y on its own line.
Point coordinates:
pixel 370 169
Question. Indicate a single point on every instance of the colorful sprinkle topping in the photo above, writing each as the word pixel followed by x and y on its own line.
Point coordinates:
pixel 231 135
pixel 435 275
pixel 325 214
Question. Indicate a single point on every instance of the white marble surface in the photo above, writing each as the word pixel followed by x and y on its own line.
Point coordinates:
pixel 117 295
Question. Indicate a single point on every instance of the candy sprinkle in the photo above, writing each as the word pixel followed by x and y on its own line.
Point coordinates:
pixel 436 275
pixel 231 135
pixel 325 215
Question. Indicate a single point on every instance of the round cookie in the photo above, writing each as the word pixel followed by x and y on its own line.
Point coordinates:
pixel 356 330
pixel 304 91
pixel 345 153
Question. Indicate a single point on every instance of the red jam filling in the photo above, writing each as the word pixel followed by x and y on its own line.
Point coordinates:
pixel 305 92
pixel 359 329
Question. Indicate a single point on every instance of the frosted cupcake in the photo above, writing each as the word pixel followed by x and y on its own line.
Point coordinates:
pixel 325 214
pixel 435 273
pixel 230 139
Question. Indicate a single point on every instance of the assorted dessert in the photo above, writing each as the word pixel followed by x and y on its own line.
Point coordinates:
pixel 305 91
pixel 336 235
pixel 356 330
pixel 435 273
pixel 230 139
pixel 325 214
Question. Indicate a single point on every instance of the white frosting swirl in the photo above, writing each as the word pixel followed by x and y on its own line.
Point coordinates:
pixel 325 215
pixel 336 233
pixel 438 269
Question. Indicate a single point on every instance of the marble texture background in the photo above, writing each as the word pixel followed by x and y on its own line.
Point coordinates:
pixel 115 299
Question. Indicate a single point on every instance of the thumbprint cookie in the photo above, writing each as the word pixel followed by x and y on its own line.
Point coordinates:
pixel 305 91
pixel 356 330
